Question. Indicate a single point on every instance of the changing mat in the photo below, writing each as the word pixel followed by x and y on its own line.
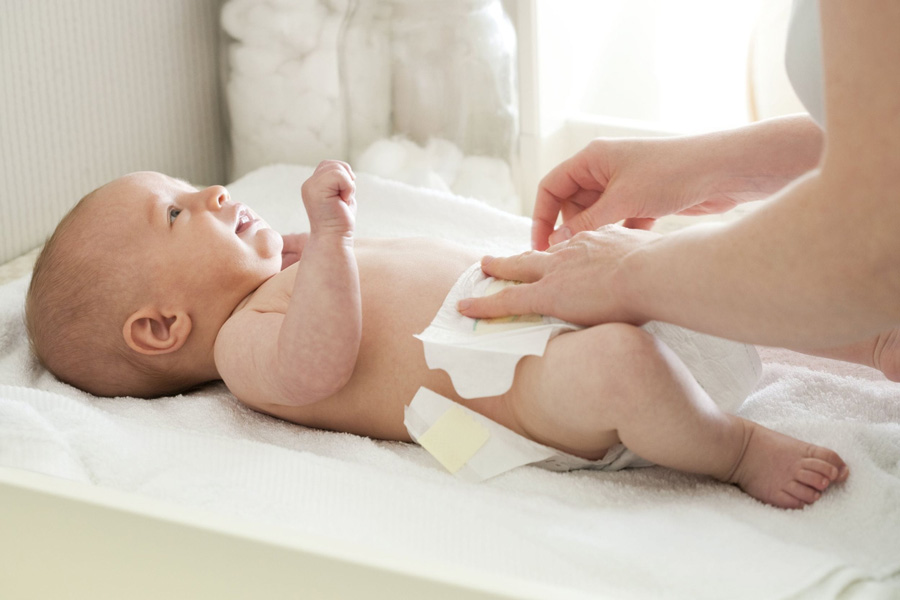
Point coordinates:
pixel 648 533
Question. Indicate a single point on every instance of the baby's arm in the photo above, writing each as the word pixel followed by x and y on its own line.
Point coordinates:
pixel 308 353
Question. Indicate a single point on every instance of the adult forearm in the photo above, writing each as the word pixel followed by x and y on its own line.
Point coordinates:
pixel 813 268
pixel 755 161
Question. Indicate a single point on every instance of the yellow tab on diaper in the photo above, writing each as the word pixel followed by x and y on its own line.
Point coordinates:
pixel 454 438
pixel 498 324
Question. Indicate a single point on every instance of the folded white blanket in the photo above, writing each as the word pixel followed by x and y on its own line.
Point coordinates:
pixel 631 534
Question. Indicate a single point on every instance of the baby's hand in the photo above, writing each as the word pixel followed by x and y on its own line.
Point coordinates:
pixel 330 199
pixel 292 248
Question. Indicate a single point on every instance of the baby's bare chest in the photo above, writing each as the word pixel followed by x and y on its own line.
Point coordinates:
pixel 402 281
pixel 402 286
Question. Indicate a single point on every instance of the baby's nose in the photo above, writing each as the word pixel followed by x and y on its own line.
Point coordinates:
pixel 216 197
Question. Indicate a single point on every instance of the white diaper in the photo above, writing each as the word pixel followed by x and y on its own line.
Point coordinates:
pixel 480 357
pixel 475 448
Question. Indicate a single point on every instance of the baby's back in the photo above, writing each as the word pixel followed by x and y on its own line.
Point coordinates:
pixel 402 283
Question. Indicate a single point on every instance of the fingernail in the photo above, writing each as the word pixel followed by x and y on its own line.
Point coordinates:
pixel 463 305
pixel 485 260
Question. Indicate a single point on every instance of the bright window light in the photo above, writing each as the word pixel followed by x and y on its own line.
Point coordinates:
pixel 678 66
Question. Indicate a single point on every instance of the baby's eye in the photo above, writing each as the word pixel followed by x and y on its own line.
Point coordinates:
pixel 174 211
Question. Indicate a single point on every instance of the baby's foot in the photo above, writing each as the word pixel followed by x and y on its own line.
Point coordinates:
pixel 784 471
pixel 887 354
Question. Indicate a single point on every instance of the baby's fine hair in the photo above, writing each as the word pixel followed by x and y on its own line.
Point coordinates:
pixel 77 304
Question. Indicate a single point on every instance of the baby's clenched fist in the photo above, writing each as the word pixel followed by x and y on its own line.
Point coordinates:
pixel 329 196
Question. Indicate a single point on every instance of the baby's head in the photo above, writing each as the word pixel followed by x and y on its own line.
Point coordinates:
pixel 129 293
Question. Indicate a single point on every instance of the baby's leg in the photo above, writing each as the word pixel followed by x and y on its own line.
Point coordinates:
pixel 614 382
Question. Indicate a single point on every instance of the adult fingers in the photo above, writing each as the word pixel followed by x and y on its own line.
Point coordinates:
pixel 546 211
pixel 577 202
pixel 645 223
pixel 604 211
pixel 526 267
pixel 513 300
pixel 557 186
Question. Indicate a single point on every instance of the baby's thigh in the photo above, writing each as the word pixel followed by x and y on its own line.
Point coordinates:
pixel 570 397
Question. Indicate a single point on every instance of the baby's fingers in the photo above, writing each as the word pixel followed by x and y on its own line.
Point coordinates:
pixel 342 176
pixel 330 165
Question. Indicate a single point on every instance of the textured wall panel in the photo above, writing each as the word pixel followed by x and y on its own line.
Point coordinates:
pixel 95 89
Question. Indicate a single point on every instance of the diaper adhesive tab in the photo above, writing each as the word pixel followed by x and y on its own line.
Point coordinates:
pixel 454 438
pixel 475 448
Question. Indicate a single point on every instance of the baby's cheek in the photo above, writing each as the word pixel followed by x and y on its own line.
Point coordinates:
pixel 269 243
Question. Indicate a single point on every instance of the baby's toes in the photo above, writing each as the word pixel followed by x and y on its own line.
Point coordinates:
pixel 802 492
pixel 782 499
pixel 838 470
pixel 816 479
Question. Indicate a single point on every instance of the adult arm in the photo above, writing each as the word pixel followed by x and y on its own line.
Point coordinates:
pixel 639 180
pixel 815 267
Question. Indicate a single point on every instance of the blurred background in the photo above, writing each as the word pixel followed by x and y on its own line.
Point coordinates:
pixel 474 97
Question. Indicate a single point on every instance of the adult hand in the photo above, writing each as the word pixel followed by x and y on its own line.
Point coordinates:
pixel 575 280
pixel 635 180
pixel 292 248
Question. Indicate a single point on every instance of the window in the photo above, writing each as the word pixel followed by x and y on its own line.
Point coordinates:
pixel 642 67
pixel 680 66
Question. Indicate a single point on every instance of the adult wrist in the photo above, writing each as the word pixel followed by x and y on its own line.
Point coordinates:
pixel 754 161
pixel 628 286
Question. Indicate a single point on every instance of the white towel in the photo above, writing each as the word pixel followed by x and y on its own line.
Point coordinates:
pixel 650 533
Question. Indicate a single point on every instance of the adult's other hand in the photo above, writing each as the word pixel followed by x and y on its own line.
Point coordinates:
pixel 638 180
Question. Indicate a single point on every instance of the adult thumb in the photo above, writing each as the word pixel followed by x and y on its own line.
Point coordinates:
pixel 593 217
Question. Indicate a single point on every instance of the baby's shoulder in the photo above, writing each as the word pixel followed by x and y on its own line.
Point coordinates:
pixel 273 296
pixel 252 325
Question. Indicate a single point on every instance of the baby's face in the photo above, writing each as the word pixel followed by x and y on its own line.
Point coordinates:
pixel 197 241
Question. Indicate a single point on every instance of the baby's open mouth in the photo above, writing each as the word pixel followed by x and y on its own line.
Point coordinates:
pixel 245 219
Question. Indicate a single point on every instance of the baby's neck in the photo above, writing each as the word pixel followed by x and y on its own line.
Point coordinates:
pixel 196 359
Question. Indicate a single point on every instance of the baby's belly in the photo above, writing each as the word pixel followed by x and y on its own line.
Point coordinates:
pixel 403 283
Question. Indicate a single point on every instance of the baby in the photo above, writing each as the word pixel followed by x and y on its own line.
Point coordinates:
pixel 149 287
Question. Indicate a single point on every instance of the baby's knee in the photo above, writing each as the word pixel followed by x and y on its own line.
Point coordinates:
pixel 628 360
pixel 624 343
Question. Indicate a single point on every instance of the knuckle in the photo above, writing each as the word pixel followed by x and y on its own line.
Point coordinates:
pixel 607 229
pixel 507 300
pixel 524 257
pixel 588 221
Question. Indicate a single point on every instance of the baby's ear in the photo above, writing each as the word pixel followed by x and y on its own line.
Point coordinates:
pixel 150 331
